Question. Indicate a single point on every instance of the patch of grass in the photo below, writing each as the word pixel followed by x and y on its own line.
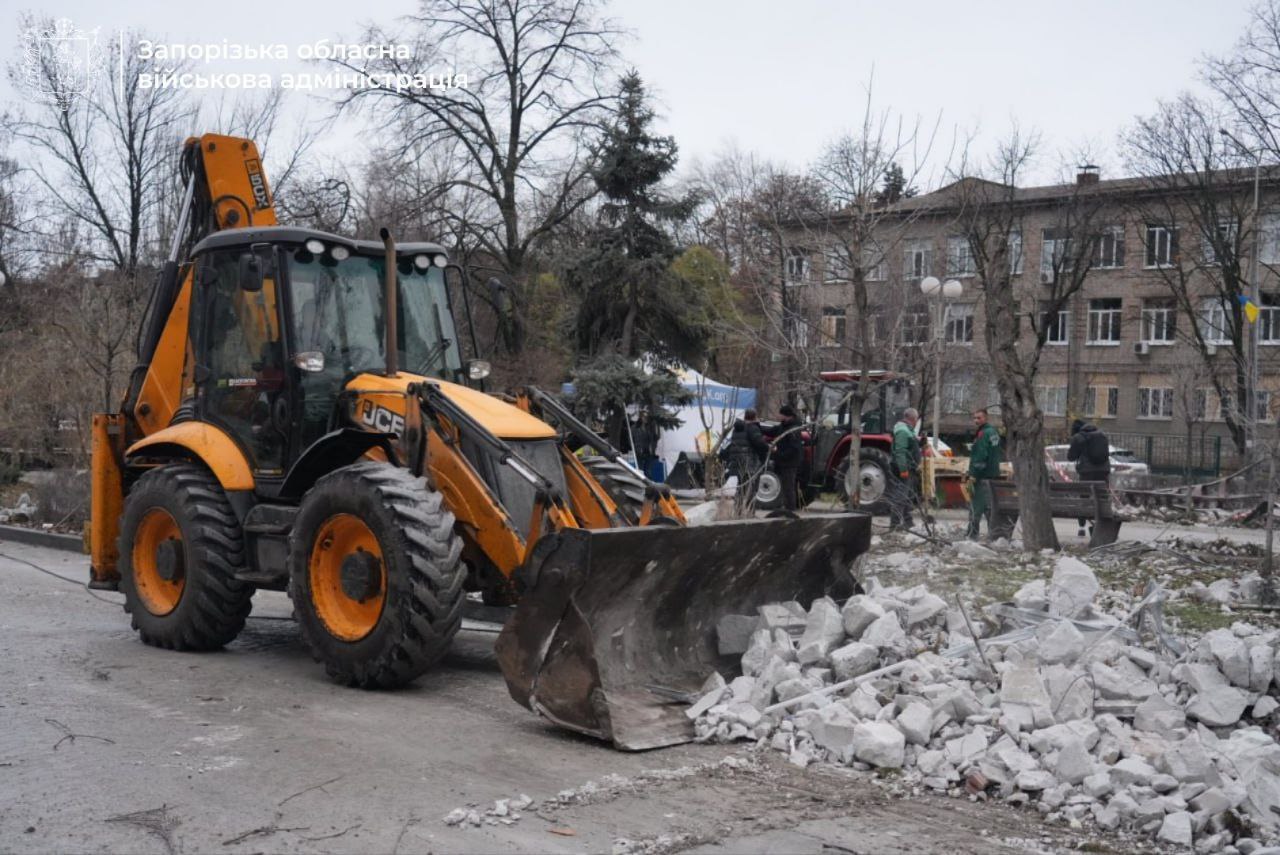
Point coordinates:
pixel 1199 618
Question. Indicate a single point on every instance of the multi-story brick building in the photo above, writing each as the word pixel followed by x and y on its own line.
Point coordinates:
pixel 1121 352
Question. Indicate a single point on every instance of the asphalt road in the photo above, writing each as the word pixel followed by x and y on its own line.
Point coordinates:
pixel 109 745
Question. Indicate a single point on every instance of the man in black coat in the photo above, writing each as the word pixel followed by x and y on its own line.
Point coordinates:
pixel 788 454
pixel 746 454
pixel 1091 451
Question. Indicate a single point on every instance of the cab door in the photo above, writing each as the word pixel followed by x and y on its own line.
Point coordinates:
pixel 241 379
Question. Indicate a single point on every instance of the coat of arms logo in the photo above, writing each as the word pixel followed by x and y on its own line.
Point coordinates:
pixel 60 62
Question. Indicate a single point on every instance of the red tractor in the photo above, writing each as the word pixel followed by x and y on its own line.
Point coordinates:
pixel 827 441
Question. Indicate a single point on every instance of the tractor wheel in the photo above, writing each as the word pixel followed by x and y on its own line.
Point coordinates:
pixel 873 475
pixel 180 548
pixel 768 491
pixel 623 486
pixel 375 575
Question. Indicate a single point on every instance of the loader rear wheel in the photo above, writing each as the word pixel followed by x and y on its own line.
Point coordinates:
pixel 180 549
pixel 625 487
pixel 375 575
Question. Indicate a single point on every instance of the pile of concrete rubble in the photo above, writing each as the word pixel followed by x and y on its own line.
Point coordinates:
pixel 1058 706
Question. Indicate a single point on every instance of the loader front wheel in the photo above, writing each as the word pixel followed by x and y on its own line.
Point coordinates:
pixel 375 575
pixel 180 548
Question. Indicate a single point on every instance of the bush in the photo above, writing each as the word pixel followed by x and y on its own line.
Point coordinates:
pixel 63 498
pixel 10 472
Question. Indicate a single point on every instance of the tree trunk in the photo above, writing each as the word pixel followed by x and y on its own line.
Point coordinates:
pixel 1026 453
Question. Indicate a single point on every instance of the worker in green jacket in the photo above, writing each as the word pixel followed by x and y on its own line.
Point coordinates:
pixel 984 464
pixel 901 488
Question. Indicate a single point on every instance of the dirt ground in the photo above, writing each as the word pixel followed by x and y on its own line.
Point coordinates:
pixel 108 745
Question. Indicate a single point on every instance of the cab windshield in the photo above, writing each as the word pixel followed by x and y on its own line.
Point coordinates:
pixel 338 311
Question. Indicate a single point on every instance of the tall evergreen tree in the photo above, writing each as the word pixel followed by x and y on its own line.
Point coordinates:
pixel 631 299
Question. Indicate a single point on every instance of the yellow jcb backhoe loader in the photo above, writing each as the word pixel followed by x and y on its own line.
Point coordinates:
pixel 300 419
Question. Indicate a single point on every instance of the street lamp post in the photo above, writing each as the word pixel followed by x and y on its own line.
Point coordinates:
pixel 940 292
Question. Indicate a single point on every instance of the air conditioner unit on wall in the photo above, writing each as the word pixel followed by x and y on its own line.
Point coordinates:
pixel 1141 348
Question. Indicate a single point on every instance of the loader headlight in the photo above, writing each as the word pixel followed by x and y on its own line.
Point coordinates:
pixel 311 362
pixel 478 369
pixel 440 261
pixel 422 262
pixel 314 246
pixel 340 253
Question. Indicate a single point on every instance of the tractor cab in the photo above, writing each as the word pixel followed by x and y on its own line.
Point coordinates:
pixel 888 394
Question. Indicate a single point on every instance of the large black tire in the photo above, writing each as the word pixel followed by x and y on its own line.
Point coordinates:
pixel 623 486
pixel 212 605
pixel 876 469
pixel 424 577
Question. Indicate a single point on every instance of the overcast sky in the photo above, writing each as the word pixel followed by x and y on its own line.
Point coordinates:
pixel 781 78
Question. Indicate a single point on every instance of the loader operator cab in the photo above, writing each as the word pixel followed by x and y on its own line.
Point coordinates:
pixel 284 318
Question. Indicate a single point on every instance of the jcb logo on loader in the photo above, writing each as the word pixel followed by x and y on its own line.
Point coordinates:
pixel 258 182
pixel 380 418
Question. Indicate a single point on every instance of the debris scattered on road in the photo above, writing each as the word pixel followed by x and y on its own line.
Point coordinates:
pixel 1089 710
pixel 503 812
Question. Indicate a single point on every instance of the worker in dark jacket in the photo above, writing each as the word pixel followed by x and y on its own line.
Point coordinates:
pixel 1091 452
pixel 984 464
pixel 788 454
pixel 906 465
pixel 746 455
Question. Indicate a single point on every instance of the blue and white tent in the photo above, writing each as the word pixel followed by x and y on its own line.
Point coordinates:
pixel 712 411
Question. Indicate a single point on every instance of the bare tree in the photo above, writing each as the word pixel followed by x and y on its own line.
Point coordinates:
pixel 1200 228
pixel 521 126
pixel 991 214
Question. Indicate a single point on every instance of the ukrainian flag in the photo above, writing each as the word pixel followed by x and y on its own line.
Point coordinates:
pixel 1250 308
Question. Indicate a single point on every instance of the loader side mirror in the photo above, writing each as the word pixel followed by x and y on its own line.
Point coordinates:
pixel 250 272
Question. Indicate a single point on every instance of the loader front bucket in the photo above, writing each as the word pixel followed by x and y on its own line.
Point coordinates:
pixel 619 623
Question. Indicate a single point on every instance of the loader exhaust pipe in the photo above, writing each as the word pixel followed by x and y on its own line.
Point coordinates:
pixel 390 301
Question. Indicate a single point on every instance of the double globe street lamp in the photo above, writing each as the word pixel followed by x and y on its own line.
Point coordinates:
pixel 939 293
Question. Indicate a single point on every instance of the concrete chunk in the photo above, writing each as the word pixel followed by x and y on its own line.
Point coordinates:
pixel 1231 655
pixel 886 633
pixel 1176 829
pixel 1060 642
pixel 853 660
pixel 1157 715
pixel 1074 763
pixel 824 629
pixel 790 616
pixel 916 723
pixel 880 744
pixel 1260 659
pixel 925 609
pixel 859 613
pixel 1072 588
pixel 1132 770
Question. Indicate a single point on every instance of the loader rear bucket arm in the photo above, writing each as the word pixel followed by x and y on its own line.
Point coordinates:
pixel 620 621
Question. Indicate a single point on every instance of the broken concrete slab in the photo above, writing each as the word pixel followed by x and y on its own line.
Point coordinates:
pixel 1157 715
pixel 853 660
pixel 824 629
pixel 1230 653
pixel 1176 829
pixel 879 744
pixel 1059 642
pixel 916 723
pixel 886 633
pixel 859 613
pixel 1072 588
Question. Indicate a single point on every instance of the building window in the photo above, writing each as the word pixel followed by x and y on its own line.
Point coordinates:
pixel 1104 321
pixel 833 326
pixel 918 260
pixel 959 257
pixel 1052 400
pixel 1015 253
pixel 1226 240
pixel 836 268
pixel 1055 253
pixel 1109 252
pixel 797 265
pixel 915 327
pixel 1269 319
pixel 1155 402
pixel 957 395
pixel 1162 245
pixel 799 332
pixel 1101 402
pixel 1159 318
pixel 1214 324
pixel 959 324
pixel 1057 326
pixel 1262 405
pixel 1269 239
pixel 874 265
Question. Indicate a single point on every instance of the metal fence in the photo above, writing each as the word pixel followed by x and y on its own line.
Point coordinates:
pixel 1202 456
